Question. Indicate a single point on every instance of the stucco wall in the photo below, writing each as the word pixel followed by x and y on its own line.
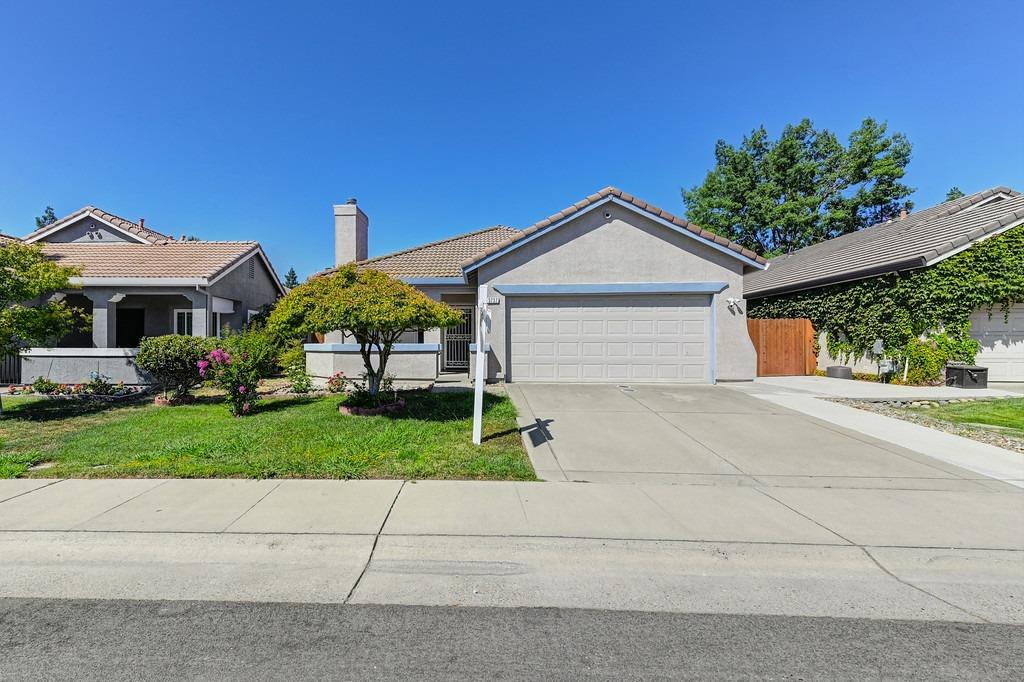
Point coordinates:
pixel 248 293
pixel 75 366
pixel 418 362
pixel 625 248
pixel 89 230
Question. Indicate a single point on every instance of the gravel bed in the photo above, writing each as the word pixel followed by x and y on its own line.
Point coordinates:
pixel 915 411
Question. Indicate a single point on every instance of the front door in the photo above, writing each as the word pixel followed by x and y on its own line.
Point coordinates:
pixel 131 327
pixel 456 342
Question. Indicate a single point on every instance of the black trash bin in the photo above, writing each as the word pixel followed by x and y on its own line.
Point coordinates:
pixel 966 376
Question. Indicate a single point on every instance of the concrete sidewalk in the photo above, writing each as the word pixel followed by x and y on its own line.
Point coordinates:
pixel 876 553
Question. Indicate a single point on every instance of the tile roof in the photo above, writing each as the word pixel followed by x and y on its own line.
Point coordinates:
pixel 178 259
pixel 151 236
pixel 438 259
pixel 8 239
pixel 906 243
pixel 629 198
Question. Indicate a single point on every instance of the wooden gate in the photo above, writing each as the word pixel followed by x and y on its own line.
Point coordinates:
pixel 784 347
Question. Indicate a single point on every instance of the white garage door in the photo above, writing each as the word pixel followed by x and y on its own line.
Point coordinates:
pixel 1002 343
pixel 634 338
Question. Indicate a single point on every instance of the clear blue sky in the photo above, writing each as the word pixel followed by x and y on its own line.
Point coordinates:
pixel 234 123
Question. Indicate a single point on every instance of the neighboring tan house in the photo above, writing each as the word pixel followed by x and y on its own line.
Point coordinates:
pixel 610 289
pixel 918 240
pixel 137 282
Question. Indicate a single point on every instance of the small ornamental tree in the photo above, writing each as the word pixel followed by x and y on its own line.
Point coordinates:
pixel 173 362
pixel 374 308
pixel 27 278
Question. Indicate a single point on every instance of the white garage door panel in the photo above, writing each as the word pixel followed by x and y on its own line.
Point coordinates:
pixel 1002 343
pixel 647 338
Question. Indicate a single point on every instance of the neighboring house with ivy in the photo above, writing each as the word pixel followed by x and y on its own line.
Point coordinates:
pixel 944 283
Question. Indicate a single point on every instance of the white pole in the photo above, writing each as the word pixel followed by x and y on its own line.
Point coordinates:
pixel 481 364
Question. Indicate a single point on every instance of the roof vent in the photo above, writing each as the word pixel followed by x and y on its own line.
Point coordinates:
pixel 142 222
pixel 352 201
pixel 903 213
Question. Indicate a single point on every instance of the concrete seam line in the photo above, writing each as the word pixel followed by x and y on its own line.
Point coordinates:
pixel 14 497
pixel 919 589
pixel 514 536
pixel 251 507
pixel 880 443
pixel 522 505
pixel 680 430
pixel 800 513
pixel 373 547
pixel 123 502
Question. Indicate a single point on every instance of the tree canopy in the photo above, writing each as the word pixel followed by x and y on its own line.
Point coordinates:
pixel 48 218
pixel 374 308
pixel 954 193
pixel 26 317
pixel 775 196
pixel 291 280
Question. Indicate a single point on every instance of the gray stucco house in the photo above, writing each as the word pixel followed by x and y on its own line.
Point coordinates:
pixel 610 289
pixel 914 241
pixel 138 282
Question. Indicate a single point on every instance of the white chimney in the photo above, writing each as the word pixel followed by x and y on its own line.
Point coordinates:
pixel 351 228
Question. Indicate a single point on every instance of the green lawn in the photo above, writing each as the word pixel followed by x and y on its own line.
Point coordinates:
pixel 1007 415
pixel 286 437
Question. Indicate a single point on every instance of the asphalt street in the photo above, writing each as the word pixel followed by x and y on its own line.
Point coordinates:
pixel 43 639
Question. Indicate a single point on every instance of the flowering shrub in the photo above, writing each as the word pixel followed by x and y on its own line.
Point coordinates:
pixel 298 378
pixel 337 382
pixel 237 376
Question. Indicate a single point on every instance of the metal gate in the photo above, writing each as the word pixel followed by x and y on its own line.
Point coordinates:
pixel 10 370
pixel 457 340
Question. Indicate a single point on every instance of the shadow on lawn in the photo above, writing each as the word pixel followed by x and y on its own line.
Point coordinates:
pixel 441 407
pixel 50 409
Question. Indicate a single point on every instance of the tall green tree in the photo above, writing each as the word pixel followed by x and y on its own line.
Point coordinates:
pixel 777 195
pixel 26 316
pixel 48 218
pixel 954 193
pixel 291 280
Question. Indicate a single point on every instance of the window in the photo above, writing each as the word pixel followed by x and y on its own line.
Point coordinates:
pixel 183 322
pixel 251 314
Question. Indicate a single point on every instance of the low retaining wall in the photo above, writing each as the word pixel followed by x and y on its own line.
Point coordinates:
pixel 79 365
pixel 407 362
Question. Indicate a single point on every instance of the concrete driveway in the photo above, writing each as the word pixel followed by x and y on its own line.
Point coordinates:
pixel 711 435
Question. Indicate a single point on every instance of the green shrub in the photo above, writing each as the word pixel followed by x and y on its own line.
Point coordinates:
pixel 173 361
pixel 99 386
pixel 299 378
pixel 293 354
pixel 44 386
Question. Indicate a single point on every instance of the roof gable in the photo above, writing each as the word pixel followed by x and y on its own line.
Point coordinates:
pixel 918 240
pixel 617 196
pixel 133 231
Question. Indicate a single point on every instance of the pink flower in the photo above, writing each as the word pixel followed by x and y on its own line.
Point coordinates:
pixel 203 366
pixel 241 389
pixel 245 407
pixel 219 356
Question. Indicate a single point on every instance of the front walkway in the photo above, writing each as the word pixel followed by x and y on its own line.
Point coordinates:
pixel 875 553
pixel 871 390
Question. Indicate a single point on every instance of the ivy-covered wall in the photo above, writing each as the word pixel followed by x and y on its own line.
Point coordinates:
pixel 900 308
